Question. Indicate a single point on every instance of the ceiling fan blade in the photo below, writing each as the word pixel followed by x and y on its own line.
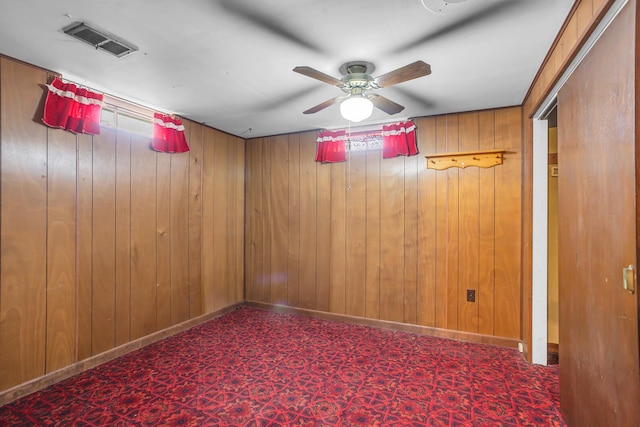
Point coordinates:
pixel 284 99
pixel 318 75
pixel 385 104
pixel 408 72
pixel 323 105
pixel 265 22
pixel 492 11
pixel 413 96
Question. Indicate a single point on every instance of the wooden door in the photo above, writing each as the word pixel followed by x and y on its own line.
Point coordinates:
pixel 599 364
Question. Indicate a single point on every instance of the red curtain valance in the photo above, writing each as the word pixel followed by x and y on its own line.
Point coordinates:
pixel 168 134
pixel 331 147
pixel 399 139
pixel 72 108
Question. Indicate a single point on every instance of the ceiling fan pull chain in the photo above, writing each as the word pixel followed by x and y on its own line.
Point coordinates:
pixel 349 158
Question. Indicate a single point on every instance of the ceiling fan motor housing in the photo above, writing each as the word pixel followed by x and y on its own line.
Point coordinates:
pixel 356 81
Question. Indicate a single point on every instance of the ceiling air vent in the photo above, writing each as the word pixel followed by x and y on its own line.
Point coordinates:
pixel 100 39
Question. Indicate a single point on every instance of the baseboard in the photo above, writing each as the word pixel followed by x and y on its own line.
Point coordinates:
pixel 398 326
pixel 46 380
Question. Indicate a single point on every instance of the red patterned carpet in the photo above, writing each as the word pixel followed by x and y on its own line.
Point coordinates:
pixel 253 367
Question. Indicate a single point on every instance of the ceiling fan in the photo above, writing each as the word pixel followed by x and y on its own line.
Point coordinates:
pixel 357 84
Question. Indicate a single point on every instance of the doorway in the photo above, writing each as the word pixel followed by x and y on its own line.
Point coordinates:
pixel 539 244
pixel 543 311
pixel 553 328
pixel 597 219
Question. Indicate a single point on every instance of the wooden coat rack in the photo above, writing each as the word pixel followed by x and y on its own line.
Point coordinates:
pixel 464 159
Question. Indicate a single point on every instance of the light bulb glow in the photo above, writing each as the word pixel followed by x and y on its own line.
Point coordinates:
pixel 356 108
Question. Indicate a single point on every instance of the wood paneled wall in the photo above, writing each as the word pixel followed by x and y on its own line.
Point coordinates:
pixel 104 240
pixel 390 239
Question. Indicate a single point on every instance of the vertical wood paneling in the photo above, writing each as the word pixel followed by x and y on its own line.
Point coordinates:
pixel 239 217
pixel 251 184
pixel 308 220
pixel 104 242
pixel 279 215
pixel 61 250
pixel 411 239
pixel 426 303
pixel 293 229
pixel 338 242
pixel 123 238
pixel 249 223
pixel 163 242
pixel 195 219
pixel 441 222
pixel 372 229
pixel 88 223
pixel 84 260
pixel 356 229
pixel 143 239
pixel 220 221
pixel 323 228
pixel 265 279
pixel 23 246
pixel 392 239
pixel 116 191
pixel 179 236
pixel 507 198
pixel 230 238
pixel 469 205
pixel 486 244
pixel 453 226
pixel 257 219
pixel 208 234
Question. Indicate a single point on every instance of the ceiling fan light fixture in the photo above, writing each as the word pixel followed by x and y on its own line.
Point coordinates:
pixel 356 108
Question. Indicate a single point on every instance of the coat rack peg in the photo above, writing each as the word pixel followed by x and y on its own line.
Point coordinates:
pixel 481 159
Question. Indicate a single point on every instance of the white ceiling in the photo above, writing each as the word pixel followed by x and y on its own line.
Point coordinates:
pixel 228 63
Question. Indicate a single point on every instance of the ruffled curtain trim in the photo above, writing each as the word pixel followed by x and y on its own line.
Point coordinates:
pixel 72 108
pixel 331 146
pixel 399 139
pixel 168 134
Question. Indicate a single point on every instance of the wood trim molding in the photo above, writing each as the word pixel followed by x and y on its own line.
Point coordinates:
pixel 45 381
pixel 396 326
pixel 582 38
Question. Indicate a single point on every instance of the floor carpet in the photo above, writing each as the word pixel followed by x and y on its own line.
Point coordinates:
pixel 255 367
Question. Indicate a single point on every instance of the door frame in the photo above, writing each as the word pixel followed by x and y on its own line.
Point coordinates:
pixel 539 251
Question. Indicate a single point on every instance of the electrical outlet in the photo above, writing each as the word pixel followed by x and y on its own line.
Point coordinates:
pixel 471 295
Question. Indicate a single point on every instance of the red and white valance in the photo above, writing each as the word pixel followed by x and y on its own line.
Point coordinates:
pixel 72 108
pixel 331 147
pixel 399 139
pixel 168 134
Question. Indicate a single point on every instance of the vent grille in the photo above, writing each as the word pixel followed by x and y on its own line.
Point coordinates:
pixel 100 39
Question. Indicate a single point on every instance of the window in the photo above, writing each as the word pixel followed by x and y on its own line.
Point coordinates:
pixel 125 120
pixel 364 141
